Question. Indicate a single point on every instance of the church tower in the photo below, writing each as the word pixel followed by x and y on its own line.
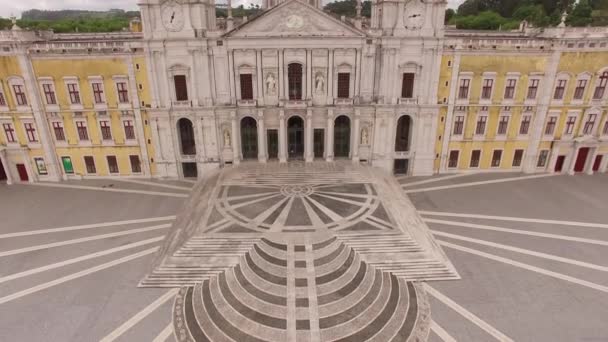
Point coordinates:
pixel 409 17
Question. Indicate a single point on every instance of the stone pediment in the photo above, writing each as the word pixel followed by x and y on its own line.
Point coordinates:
pixel 295 19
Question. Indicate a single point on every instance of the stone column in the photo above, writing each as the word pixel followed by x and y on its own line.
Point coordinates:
pixel 194 78
pixel 591 160
pixel 308 137
pixel 282 138
pixel 355 143
pixel 261 137
pixel 235 141
pixel 231 77
pixel 308 75
pixel 229 20
pixel 260 79
pixel 329 155
pixel 330 79
pixel 280 78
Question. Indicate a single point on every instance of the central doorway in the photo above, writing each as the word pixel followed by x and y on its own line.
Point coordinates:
pixel 581 160
pixel 295 137
pixel 342 137
pixel 249 138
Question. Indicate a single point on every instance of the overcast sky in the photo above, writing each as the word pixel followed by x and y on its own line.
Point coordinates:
pixel 15 7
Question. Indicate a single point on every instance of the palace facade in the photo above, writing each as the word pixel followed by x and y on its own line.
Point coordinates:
pixel 185 92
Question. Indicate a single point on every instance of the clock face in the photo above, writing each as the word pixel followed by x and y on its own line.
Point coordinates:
pixel 172 16
pixel 294 21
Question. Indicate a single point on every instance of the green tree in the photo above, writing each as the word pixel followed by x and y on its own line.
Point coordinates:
pixel 487 20
pixel 449 14
pixel 581 14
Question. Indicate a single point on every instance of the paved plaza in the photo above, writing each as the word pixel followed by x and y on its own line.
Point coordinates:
pixel 309 253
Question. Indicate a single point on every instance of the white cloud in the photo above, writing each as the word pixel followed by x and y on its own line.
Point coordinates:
pixel 15 7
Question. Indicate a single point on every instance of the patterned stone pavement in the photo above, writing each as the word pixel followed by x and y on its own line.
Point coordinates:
pixel 299 253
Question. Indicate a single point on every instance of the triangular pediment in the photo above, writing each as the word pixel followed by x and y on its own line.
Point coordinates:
pixel 295 19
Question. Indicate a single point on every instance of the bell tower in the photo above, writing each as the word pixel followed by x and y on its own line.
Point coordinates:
pixel 409 17
pixel 163 19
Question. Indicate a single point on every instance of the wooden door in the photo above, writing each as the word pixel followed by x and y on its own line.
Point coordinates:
pixel 597 163
pixel 581 159
pixel 22 173
pixel 559 164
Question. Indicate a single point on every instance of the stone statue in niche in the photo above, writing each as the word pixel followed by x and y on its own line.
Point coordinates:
pixel 319 83
pixel 271 84
pixel 227 140
pixel 364 136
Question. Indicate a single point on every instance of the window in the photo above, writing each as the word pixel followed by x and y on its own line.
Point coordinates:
pixel 598 94
pixel 49 94
pixel 589 124
pixel 106 130
pixel 81 127
pixel 550 128
pixel 129 130
pixel 246 86
pixel 463 92
pixel 2 99
pixel 453 160
pixel 407 85
pixel 89 162
pixel 459 125
pixel 181 88
pixel 294 78
pixel 112 164
pixel 510 89
pixel 475 158
pixel 20 95
pixel 9 131
pixel 343 85
pixel 605 130
pixel 525 125
pixel 123 93
pixel 67 165
pixel 74 94
pixel 480 129
pixel 517 158
pixel 503 124
pixel 570 125
pixel 542 158
pixel 58 129
pixel 486 91
pixel 496 158
pixel 528 109
pixel 41 166
pixel 533 89
pixel 30 131
pixel 135 164
pixel 98 92
pixel 580 89
pixel 560 89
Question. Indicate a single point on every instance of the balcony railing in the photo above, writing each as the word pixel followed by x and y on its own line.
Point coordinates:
pixel 343 102
pixel 185 103
pixel 247 103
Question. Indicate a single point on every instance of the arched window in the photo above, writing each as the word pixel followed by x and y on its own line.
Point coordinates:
pixel 186 137
pixel 402 138
pixel 294 75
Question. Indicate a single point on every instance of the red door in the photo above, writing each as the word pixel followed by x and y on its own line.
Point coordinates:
pixel 22 173
pixel 559 164
pixel 2 172
pixel 581 160
pixel 597 163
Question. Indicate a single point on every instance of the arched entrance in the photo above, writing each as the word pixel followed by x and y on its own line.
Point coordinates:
pixel 186 137
pixel 403 138
pixel 249 138
pixel 295 137
pixel 342 137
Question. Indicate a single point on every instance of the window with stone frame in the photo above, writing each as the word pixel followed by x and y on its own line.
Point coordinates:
pixel 294 81
pixel 518 156
pixel 542 158
pixel 129 129
pixel 533 89
pixel 463 91
pixel 524 127
pixel 560 90
pixel 49 94
pixel 135 164
pixel 496 158
pixel 123 92
pixel 343 85
pixel 181 87
pixel 81 128
pixel 480 128
pixel 407 85
pixel 570 125
pixel 579 91
pixel 550 127
pixel 9 132
pixel 106 130
pixel 589 124
pixel 503 125
pixel 89 162
pixel 30 132
pixel 459 125
pixel 58 130
pixel 112 164
pixel 97 92
pixel 510 89
pixel 453 159
pixel 600 89
pixel 605 129
pixel 2 99
pixel 475 158
pixel 486 90
pixel 20 97
pixel 74 93
pixel 246 81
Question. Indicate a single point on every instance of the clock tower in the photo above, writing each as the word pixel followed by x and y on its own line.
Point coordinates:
pixel 166 19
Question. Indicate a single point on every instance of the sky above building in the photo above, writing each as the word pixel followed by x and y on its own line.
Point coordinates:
pixel 15 7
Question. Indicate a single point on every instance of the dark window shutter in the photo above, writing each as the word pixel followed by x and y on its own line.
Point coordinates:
pixel 246 87
pixel 181 88
pixel 407 87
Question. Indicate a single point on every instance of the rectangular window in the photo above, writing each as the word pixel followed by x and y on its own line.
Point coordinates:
pixel 560 89
pixel 89 162
pixel 246 86
pixel 550 128
pixel 480 129
pixel 2 100
pixel 58 130
pixel 496 158
pixel 525 125
pixel 486 91
pixel 517 158
pixel 30 131
pixel 67 165
pixel 503 124
pixel 49 94
pixel 112 164
pixel 542 158
pixel 106 130
pixel 129 130
pixel 459 125
pixel 41 166
pixel 598 94
pixel 570 125
pixel 510 89
pixel 74 94
pixel 9 131
pixel 135 164
pixel 463 92
pixel 533 89
pixel 123 93
pixel 98 92
pixel 580 89
pixel 181 88
pixel 407 85
pixel 605 130
pixel 20 95
pixel 589 124
pixel 81 127
pixel 475 158
pixel 343 85
pixel 453 161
